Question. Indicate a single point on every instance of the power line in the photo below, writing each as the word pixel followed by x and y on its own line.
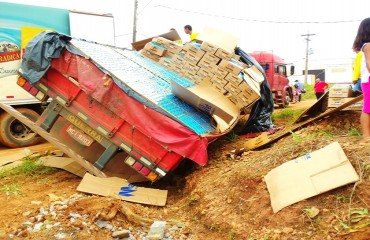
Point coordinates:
pixel 144 7
pixel 258 20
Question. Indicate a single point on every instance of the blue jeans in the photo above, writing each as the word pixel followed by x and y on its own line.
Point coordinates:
pixel 357 86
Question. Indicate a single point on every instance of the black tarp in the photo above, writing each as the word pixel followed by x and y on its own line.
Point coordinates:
pixel 260 116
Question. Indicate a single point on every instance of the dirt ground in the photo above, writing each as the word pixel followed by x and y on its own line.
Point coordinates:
pixel 226 199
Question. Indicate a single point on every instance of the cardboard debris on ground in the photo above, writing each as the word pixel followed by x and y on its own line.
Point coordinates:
pixel 309 175
pixel 68 164
pixel 12 158
pixel 121 189
pixel 10 166
pixel 257 141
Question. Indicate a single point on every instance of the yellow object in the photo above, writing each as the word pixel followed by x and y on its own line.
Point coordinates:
pixel 357 67
pixel 27 33
pixel 193 37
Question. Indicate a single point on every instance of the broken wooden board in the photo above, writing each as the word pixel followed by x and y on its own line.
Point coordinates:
pixel 314 109
pixel 285 132
pixel 47 136
pixel 317 108
pixel 121 189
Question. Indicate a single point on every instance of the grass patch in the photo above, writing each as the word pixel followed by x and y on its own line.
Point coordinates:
pixel 28 168
pixel 309 94
pixel 286 114
pixel 11 189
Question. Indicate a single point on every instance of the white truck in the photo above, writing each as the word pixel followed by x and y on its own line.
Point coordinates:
pixel 18 24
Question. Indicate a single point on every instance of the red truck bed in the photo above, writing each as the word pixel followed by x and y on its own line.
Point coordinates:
pixel 109 128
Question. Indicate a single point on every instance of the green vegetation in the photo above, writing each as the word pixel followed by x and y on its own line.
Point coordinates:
pixel 309 94
pixel 286 114
pixel 28 167
pixel 11 189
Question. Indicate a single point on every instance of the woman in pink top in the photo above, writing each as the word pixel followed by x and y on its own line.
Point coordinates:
pixel 362 41
pixel 320 87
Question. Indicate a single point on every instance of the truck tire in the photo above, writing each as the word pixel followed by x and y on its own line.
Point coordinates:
pixel 284 102
pixel 15 134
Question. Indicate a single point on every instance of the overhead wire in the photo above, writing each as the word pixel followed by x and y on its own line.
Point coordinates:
pixel 257 20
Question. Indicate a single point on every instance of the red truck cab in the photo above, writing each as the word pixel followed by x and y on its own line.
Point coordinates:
pixel 277 72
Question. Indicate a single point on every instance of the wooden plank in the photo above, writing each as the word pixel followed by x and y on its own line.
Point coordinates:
pixel 294 128
pixel 47 136
pixel 317 108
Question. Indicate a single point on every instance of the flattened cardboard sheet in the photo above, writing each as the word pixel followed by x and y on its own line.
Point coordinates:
pixel 68 164
pixel 121 189
pixel 219 38
pixel 309 175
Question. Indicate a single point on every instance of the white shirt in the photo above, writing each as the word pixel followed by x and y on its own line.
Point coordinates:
pixel 364 72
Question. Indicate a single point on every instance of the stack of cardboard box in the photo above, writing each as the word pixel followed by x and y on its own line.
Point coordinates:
pixel 340 94
pixel 208 65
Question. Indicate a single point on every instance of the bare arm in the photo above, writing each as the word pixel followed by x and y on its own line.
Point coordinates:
pixel 366 50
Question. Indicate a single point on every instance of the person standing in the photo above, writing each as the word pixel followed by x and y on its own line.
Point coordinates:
pixel 356 78
pixel 320 87
pixel 189 30
pixel 362 42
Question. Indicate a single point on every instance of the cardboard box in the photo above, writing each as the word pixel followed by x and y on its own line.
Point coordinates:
pixel 177 59
pixel 233 79
pixel 208 47
pixel 219 71
pixel 254 73
pixel 341 91
pixel 246 99
pixel 192 76
pixel 309 175
pixel 211 58
pixel 208 61
pixel 150 55
pixel 219 88
pixel 216 80
pixel 168 44
pixel 177 69
pixel 192 58
pixel 235 57
pixel 356 106
pixel 337 101
pixel 207 99
pixel 204 73
pixel 165 62
pixel 188 66
pixel 155 48
pixel 194 49
pixel 171 35
pixel 232 88
pixel 223 54
pixel 230 67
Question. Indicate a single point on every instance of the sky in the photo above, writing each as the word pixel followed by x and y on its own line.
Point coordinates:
pixel 263 25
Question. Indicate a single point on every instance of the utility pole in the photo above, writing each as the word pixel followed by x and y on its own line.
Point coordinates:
pixel 307 38
pixel 135 20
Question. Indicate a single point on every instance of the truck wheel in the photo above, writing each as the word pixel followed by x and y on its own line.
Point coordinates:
pixel 15 134
pixel 286 101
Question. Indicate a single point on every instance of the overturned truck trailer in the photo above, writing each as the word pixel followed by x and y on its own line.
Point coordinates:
pixel 125 114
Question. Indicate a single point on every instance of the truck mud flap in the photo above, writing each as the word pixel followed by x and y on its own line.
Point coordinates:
pixel 37 129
